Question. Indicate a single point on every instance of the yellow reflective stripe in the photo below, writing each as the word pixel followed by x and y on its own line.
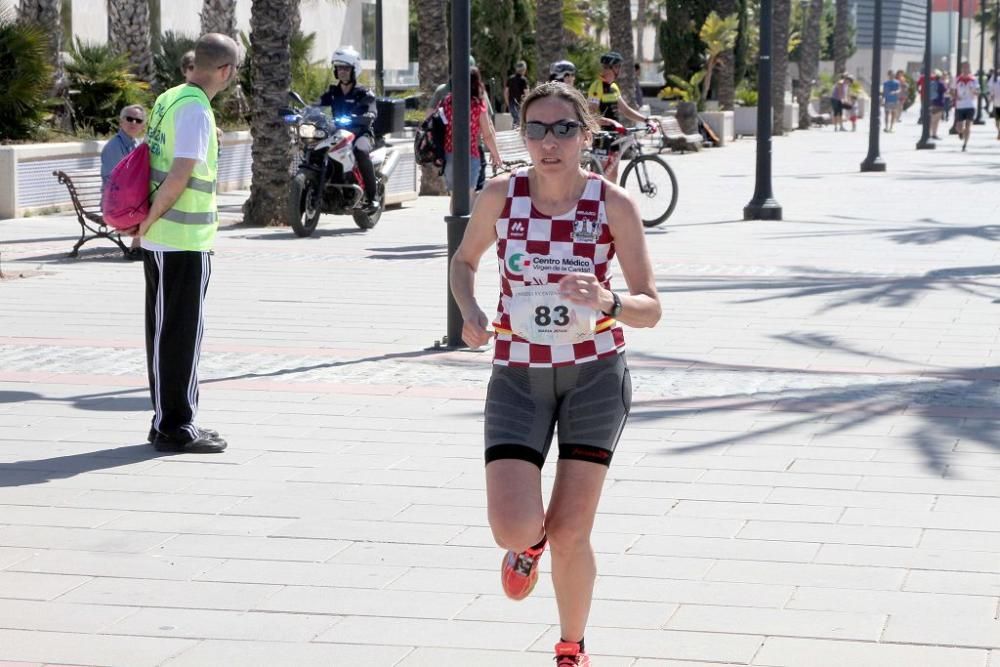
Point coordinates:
pixel 185 218
pixel 194 183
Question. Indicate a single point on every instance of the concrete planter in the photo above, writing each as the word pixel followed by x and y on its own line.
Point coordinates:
pixel 721 123
pixel 503 122
pixel 745 121
pixel 27 186
pixel 791 117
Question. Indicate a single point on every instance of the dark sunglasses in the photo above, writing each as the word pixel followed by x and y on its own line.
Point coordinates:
pixel 561 129
pixel 133 119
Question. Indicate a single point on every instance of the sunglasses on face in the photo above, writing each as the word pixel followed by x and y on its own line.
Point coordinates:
pixel 133 119
pixel 561 129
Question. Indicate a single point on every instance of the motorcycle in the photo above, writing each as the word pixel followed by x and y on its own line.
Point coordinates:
pixel 328 179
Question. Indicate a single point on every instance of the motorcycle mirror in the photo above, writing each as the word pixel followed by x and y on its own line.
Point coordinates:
pixel 295 96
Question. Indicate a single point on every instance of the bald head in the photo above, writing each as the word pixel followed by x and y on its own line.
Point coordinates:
pixel 214 50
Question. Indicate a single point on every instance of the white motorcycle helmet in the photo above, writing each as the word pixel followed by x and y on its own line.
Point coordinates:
pixel 347 56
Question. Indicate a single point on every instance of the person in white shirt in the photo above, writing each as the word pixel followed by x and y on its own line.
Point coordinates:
pixel 993 88
pixel 965 91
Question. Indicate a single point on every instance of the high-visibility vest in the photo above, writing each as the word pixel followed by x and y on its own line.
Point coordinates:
pixel 191 222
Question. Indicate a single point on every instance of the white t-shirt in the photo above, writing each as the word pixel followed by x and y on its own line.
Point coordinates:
pixel 994 87
pixel 192 134
pixel 966 91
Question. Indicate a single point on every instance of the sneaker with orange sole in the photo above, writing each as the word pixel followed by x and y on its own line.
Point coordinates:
pixel 519 572
pixel 568 654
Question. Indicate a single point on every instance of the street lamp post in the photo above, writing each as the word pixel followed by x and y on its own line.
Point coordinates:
pixel 925 142
pixel 379 51
pixel 980 75
pixel 763 206
pixel 874 161
pixel 461 141
pixel 958 60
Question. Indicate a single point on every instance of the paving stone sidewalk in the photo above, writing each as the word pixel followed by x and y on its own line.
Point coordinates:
pixel 810 477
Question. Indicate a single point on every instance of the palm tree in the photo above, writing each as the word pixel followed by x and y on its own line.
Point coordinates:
pixel 219 16
pixel 779 63
pixel 620 21
pixel 128 30
pixel 549 33
pixel 726 86
pixel 46 15
pixel 809 58
pixel 432 54
pixel 840 38
pixel 719 35
pixel 271 72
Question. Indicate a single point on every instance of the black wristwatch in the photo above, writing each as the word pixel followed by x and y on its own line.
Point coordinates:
pixel 616 309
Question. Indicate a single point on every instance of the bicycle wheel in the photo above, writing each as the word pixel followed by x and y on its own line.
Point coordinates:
pixel 651 183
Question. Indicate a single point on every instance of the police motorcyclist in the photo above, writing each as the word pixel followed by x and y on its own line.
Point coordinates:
pixel 564 71
pixel 347 98
pixel 606 101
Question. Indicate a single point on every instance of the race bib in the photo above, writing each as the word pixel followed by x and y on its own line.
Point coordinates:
pixel 540 315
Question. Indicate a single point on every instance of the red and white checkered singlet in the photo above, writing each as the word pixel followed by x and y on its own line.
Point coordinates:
pixel 578 241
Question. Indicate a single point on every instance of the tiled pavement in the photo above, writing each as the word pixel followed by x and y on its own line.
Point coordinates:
pixel 811 476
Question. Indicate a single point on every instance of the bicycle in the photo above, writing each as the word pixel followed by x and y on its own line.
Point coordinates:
pixel 647 177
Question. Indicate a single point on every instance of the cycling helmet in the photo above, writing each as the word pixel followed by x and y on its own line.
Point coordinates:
pixel 561 68
pixel 347 56
pixel 612 58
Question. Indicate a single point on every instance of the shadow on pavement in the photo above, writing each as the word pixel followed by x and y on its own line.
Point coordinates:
pixel 852 288
pixel 41 471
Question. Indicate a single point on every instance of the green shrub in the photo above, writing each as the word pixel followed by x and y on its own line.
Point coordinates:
pixel 100 85
pixel 167 60
pixel 25 77
pixel 746 96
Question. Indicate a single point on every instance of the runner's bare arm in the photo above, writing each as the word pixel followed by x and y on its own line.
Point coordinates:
pixel 479 236
pixel 641 307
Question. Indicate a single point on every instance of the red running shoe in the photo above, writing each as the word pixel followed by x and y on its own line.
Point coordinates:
pixel 568 654
pixel 519 572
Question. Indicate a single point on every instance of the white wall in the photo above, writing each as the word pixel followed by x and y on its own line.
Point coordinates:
pixel 335 24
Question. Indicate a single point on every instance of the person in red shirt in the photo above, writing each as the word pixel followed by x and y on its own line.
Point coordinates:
pixel 479 124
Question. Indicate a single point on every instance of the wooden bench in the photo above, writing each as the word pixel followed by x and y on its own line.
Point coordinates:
pixel 512 148
pixel 85 191
pixel 673 137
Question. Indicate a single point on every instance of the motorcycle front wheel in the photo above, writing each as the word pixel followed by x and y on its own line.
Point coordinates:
pixel 367 220
pixel 303 204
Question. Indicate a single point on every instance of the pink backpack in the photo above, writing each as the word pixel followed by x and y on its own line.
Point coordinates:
pixel 126 194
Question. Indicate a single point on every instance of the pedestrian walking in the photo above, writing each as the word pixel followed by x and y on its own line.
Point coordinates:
pixel 890 100
pixel 966 92
pixel 558 364
pixel 904 96
pixel 993 86
pixel 177 238
pixel 131 127
pixel 515 89
pixel 479 126
pixel 840 101
pixel 937 100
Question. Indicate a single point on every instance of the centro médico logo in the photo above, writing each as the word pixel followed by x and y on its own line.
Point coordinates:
pixel 518 262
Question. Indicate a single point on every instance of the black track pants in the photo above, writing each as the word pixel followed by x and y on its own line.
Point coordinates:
pixel 176 284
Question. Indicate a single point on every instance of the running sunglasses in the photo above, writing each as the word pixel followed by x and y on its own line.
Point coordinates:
pixel 561 129
pixel 133 119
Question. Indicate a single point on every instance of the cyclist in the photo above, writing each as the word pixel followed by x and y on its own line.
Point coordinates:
pixel 347 98
pixel 558 360
pixel 563 71
pixel 606 101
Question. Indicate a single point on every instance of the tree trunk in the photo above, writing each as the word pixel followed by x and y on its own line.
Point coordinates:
pixel 128 30
pixel 779 63
pixel 726 80
pixel 742 44
pixel 46 14
pixel 620 23
pixel 219 16
pixel 840 38
pixel 809 59
pixel 271 153
pixel 549 36
pixel 432 54
pixel 640 29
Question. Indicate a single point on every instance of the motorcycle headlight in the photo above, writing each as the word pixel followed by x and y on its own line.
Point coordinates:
pixel 319 134
pixel 307 131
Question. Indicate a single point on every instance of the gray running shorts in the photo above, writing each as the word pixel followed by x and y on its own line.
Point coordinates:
pixel 589 404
